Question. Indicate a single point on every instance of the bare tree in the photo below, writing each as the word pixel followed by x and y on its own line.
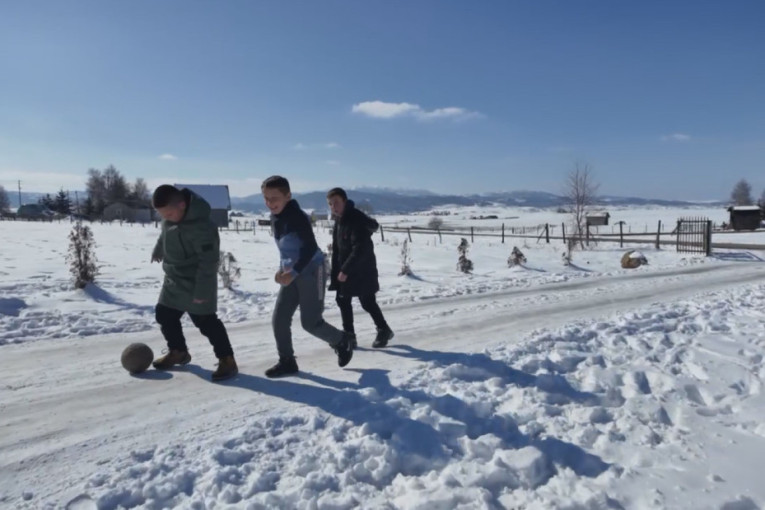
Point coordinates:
pixel 580 191
pixel 140 192
pixel 5 202
pixel 435 223
pixel 761 202
pixel 742 193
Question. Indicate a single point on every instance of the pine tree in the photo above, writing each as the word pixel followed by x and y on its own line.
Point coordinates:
pixel 463 263
pixel 81 256
pixel 5 202
pixel 47 201
pixel 62 204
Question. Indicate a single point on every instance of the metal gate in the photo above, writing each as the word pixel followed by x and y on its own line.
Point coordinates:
pixel 694 235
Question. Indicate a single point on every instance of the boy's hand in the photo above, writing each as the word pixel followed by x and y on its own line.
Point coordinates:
pixel 284 279
pixel 199 301
pixel 342 277
pixel 156 258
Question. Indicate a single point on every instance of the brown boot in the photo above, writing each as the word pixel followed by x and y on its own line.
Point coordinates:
pixel 226 369
pixel 172 358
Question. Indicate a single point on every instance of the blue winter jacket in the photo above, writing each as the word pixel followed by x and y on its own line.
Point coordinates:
pixel 294 236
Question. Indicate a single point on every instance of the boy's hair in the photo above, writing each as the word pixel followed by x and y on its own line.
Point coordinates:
pixel 166 195
pixel 337 192
pixel 276 182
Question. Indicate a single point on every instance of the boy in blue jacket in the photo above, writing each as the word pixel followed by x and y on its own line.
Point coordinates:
pixel 302 276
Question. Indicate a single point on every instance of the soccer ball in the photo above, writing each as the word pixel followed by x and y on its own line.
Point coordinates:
pixel 136 358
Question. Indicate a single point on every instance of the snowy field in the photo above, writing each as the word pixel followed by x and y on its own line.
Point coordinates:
pixel 543 386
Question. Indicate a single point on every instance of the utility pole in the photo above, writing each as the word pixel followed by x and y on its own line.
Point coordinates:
pixel 19 193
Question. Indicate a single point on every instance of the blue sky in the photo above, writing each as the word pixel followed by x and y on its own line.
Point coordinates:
pixel 663 99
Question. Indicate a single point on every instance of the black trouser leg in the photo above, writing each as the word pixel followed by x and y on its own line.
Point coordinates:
pixel 346 312
pixel 169 320
pixel 212 327
pixel 369 304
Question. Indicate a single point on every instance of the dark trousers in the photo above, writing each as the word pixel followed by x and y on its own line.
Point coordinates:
pixel 211 326
pixel 368 303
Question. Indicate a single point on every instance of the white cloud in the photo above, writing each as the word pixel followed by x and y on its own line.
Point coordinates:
pixel 305 146
pixel 383 110
pixel 168 157
pixel 332 162
pixel 676 137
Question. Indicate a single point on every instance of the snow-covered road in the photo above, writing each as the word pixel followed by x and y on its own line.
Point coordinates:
pixel 67 407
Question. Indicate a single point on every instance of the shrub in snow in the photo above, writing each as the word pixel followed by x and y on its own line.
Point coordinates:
pixel 464 264
pixel 406 259
pixel 633 259
pixel 228 269
pixel 81 256
pixel 568 254
pixel 516 257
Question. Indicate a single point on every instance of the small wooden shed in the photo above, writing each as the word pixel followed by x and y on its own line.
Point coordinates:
pixel 598 219
pixel 745 217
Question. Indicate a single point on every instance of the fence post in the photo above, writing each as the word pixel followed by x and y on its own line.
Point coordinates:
pixel 679 222
pixel 409 233
pixel 503 233
pixel 471 236
pixel 563 229
pixel 382 233
pixel 440 241
pixel 708 238
pixel 621 234
pixel 658 236
pixel 547 233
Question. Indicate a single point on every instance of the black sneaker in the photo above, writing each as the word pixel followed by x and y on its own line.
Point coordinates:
pixel 344 350
pixel 283 367
pixel 383 335
pixel 352 339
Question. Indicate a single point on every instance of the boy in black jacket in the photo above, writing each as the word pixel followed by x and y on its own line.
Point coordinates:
pixel 354 265
pixel 302 277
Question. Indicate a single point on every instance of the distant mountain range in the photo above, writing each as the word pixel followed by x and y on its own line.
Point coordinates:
pixel 389 201
pixel 383 200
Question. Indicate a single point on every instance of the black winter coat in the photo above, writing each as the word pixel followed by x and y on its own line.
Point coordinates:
pixel 353 253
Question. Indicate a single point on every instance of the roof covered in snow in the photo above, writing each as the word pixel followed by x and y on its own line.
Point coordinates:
pixel 215 194
pixel 744 208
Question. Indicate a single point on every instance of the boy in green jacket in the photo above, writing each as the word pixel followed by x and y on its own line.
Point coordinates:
pixel 189 249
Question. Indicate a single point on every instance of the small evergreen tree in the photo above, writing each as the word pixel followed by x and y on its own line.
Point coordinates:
pixel 47 201
pixel 5 202
pixel 406 259
pixel 61 203
pixel 228 269
pixel 516 258
pixel 81 256
pixel 463 263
